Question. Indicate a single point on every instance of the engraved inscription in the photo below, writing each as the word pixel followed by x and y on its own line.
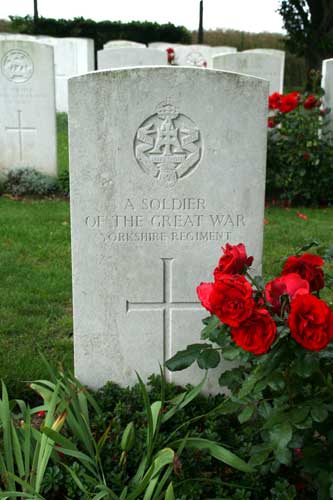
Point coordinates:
pixel 167 305
pixel 17 66
pixel 20 130
pixel 168 145
pixel 196 58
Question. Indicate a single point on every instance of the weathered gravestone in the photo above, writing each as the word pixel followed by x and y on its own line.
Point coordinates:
pixel 327 85
pixel 116 44
pixel 27 107
pixel 72 56
pixel 259 64
pixel 167 165
pixel 193 55
pixel 130 56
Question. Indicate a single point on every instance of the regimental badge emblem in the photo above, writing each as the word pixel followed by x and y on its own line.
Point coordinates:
pixel 168 145
pixel 196 58
pixel 17 66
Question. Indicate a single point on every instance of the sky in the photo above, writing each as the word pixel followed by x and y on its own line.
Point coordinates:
pixel 244 15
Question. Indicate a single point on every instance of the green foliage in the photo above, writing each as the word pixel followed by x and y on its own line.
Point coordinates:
pixel 27 181
pixel 300 156
pixel 308 24
pixel 284 397
pixel 63 156
pixel 102 31
pixel 81 447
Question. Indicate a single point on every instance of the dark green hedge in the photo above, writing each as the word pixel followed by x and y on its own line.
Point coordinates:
pixel 103 31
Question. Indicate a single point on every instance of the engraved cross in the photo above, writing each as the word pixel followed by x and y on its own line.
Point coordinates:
pixel 167 305
pixel 20 131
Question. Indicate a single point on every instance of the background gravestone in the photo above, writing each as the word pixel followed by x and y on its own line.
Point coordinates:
pixel 27 107
pixel 327 85
pixel 72 56
pixel 116 44
pixel 259 64
pixel 130 56
pixel 162 175
pixel 193 55
pixel 222 49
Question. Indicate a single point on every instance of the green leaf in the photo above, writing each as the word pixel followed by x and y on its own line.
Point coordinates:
pixel 208 358
pixel 217 451
pixel 211 325
pixel 283 455
pixel 181 360
pixel 231 353
pixel 281 434
pixel 169 494
pixel 276 382
pixel 319 413
pixel 246 414
pixel 260 457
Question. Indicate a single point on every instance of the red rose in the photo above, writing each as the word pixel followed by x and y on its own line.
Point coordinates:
pixel 289 284
pixel 203 291
pixel 274 100
pixel 231 299
pixel 306 156
pixel 171 54
pixel 257 333
pixel 271 123
pixel 41 414
pixel 310 102
pixel 311 322
pixel 233 261
pixel 308 266
pixel 289 102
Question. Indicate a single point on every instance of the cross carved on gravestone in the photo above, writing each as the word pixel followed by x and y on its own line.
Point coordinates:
pixel 167 305
pixel 20 131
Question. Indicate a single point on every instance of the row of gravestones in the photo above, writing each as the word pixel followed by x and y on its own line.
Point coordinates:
pixel 167 164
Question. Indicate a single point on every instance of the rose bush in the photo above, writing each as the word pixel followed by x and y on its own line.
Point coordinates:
pixel 300 148
pixel 280 333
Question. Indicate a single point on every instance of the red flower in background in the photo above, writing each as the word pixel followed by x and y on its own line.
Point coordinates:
pixel 257 333
pixel 308 266
pixel 289 284
pixel 289 102
pixel 310 102
pixel 271 123
pixel 311 322
pixel 171 54
pixel 233 261
pixel 274 100
pixel 306 156
pixel 302 216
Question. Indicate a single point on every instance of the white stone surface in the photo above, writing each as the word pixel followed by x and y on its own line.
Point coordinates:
pixel 222 49
pixel 72 57
pixel 327 85
pixel 27 107
pixel 259 64
pixel 130 56
pixel 193 55
pixel 163 45
pixel 117 44
pixel 167 165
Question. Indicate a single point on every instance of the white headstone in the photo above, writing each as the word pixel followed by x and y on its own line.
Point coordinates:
pixel 327 85
pixel 222 49
pixel 72 57
pixel 257 64
pixel 27 107
pixel 130 56
pixel 193 55
pixel 117 44
pixel 163 173
pixel 163 45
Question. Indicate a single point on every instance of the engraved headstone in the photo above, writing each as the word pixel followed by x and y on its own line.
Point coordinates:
pixel 259 64
pixel 327 85
pixel 193 55
pixel 162 175
pixel 130 56
pixel 27 107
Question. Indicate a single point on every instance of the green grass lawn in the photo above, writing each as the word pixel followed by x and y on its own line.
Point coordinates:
pixel 35 274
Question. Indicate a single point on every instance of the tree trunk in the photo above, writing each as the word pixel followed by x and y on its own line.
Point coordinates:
pixel 35 12
pixel 201 31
